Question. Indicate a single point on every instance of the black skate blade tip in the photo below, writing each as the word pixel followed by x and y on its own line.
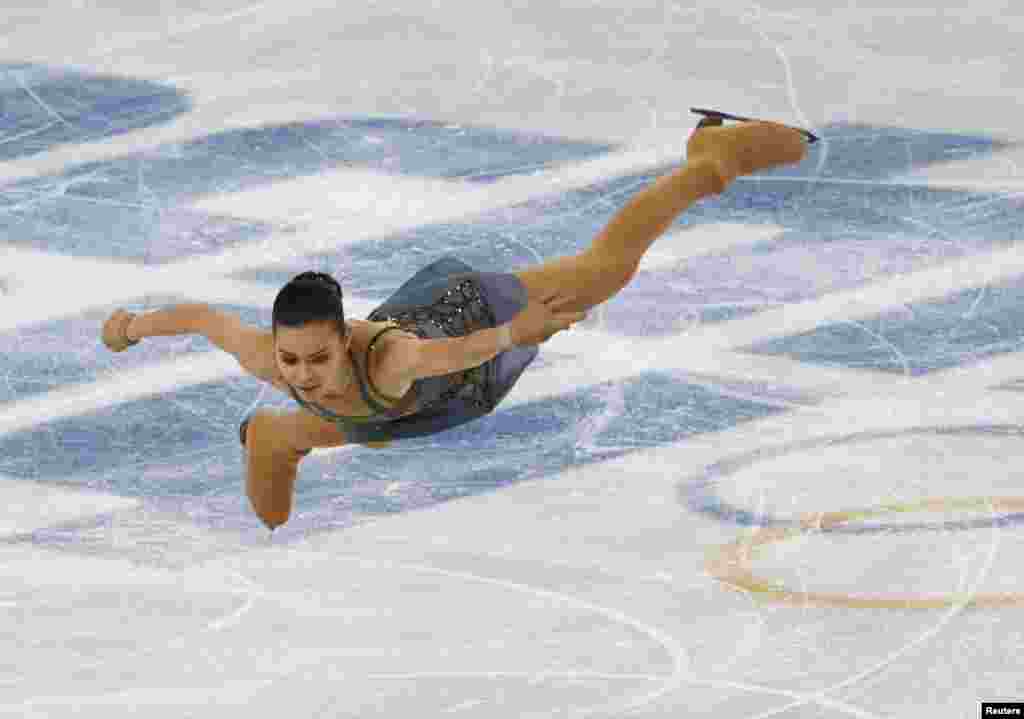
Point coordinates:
pixel 709 122
pixel 714 117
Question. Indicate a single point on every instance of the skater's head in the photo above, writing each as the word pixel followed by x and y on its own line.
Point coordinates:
pixel 308 298
pixel 311 338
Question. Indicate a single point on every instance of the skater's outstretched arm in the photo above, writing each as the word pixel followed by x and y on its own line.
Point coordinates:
pixel 534 324
pixel 253 347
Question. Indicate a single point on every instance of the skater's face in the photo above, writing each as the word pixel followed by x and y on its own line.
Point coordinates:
pixel 313 359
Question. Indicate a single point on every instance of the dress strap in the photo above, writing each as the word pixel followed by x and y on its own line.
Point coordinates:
pixel 369 379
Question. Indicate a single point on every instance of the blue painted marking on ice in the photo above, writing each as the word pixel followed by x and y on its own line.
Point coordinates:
pixel 919 338
pixel 182 447
pixel 658 409
pixel 136 207
pixel 44 107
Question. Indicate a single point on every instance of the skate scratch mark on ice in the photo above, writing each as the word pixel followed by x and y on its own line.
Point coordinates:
pixel 106 202
pixel 529 248
pixel 234 617
pixel 753 20
pixel 251 591
pixel 929 228
pixel 900 356
pixel 944 620
pixel 205 21
pixel 976 209
pixel 680 664
pixel 970 313
pixel 680 675
pixel 38 100
pixel 60 190
pixel 613 398
pixel 937 231
pixel 202 22
pixel 28 133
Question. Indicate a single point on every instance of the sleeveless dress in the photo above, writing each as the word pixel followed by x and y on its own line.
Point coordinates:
pixel 448 298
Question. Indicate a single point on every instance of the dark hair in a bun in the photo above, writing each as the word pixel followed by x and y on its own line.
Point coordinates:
pixel 309 297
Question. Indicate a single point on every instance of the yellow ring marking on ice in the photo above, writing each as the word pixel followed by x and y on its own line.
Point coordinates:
pixel 730 564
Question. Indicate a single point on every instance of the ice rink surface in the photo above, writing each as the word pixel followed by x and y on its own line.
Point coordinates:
pixel 777 476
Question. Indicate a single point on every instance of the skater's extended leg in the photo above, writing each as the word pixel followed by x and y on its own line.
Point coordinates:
pixel 715 157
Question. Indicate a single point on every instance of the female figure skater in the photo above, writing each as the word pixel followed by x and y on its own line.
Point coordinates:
pixel 451 342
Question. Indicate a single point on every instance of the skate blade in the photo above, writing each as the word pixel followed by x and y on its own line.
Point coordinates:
pixel 714 117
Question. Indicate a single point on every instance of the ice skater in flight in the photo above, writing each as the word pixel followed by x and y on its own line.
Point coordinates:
pixel 451 342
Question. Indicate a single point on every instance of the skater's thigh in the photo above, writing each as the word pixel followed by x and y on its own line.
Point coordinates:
pixel 588 279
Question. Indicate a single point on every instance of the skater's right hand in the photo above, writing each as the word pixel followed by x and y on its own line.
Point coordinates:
pixel 115 330
pixel 539 320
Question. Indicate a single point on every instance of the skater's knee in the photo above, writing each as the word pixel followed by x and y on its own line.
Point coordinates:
pixel 607 259
pixel 272 515
pixel 606 273
pixel 270 490
pixel 591 277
